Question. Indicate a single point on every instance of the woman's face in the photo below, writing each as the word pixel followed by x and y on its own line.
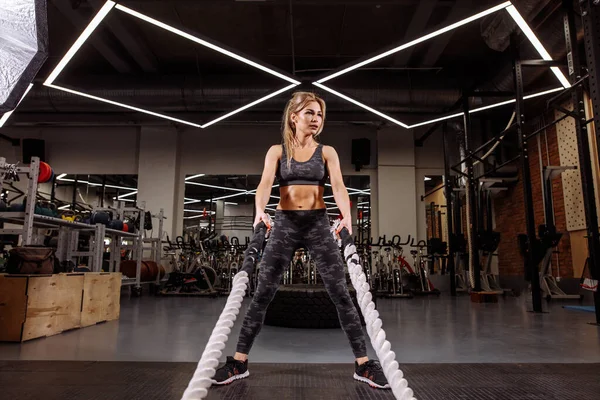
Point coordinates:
pixel 309 119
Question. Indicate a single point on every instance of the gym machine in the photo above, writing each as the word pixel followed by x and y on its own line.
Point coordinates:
pixel 550 238
pixel 436 247
pixel 488 239
pixel 423 285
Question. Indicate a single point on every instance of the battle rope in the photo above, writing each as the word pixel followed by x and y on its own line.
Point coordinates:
pixel 382 347
pixel 202 379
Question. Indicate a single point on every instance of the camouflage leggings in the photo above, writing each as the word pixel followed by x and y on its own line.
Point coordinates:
pixel 291 230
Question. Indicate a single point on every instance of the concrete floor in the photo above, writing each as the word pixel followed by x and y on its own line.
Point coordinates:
pixel 421 330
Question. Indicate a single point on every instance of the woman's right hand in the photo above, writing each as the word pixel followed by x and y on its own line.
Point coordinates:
pixel 264 218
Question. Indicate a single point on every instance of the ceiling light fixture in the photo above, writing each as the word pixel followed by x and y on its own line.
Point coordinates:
pixel 62 178
pixel 358 103
pixel 417 41
pixel 189 178
pixel 101 15
pixel 512 11
pixel 502 103
pixel 127 194
pixel 7 115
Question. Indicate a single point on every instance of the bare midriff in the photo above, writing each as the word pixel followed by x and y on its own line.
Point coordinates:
pixel 301 197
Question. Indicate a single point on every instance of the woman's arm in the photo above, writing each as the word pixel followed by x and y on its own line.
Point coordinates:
pixel 340 193
pixel 263 192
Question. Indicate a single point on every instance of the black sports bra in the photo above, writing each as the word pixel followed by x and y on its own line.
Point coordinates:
pixel 311 172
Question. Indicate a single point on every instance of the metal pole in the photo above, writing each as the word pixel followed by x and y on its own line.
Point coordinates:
pixel 472 200
pixel 104 191
pixel 591 16
pixel 531 266
pixel 74 193
pixel 449 209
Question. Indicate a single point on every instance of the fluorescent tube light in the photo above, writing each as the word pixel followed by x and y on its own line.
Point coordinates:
pixel 232 195
pixel 127 194
pixel 115 103
pixel 418 40
pixel 436 120
pixel 215 186
pixel 506 5
pixel 514 13
pixel 366 107
pixel 94 183
pixel 7 115
pixel 205 43
pixel 214 121
pixel 189 178
pixel 61 176
pixel 502 103
pixel 102 13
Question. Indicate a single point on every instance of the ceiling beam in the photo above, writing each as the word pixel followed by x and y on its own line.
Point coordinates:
pixel 415 29
pixel 439 44
pixel 107 51
pixel 124 33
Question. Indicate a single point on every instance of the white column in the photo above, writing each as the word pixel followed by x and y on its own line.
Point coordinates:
pixel 374 205
pixel 158 173
pixel 219 215
pixel 396 183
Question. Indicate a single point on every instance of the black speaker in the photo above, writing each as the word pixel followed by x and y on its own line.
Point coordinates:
pixel 33 148
pixel 361 152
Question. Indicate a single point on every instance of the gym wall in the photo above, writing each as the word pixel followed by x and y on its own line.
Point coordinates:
pixel 82 150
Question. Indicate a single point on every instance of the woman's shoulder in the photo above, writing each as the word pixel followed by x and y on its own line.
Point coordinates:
pixel 328 150
pixel 275 150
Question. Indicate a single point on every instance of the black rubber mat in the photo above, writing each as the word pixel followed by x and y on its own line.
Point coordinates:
pixel 50 380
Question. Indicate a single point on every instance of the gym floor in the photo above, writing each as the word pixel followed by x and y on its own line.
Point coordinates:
pixel 448 348
pixel 421 330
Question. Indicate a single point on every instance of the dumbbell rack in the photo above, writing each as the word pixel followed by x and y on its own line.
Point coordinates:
pixel 27 217
pixel 116 246
pixel 69 231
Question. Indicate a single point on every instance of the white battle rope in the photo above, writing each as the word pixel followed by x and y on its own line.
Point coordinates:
pixel 382 347
pixel 198 387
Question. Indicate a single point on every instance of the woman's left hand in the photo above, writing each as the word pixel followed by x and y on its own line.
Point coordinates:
pixel 346 222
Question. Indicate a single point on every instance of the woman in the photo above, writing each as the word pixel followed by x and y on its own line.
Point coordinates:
pixel 302 166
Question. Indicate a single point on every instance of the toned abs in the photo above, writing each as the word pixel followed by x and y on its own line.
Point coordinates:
pixel 301 197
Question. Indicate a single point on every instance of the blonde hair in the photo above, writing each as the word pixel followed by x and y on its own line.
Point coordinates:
pixel 296 104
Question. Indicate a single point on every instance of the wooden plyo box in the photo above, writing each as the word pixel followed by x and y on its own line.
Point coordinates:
pixel 33 306
pixel 101 298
